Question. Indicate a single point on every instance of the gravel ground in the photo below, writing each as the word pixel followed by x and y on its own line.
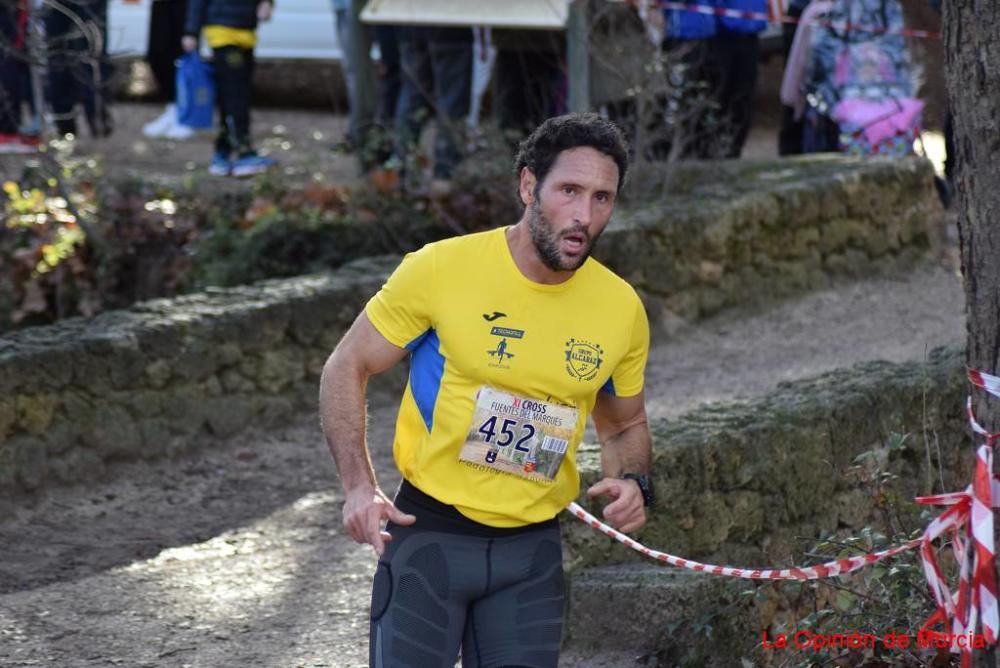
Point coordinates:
pixel 235 557
pixel 301 140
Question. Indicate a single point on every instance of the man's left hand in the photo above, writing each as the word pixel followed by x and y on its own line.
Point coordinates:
pixel 626 512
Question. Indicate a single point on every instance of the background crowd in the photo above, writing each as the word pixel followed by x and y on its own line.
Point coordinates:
pixel 849 83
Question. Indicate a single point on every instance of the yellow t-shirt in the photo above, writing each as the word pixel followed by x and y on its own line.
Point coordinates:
pixel 219 36
pixel 471 319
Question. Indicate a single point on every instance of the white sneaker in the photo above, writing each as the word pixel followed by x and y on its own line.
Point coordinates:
pixel 162 123
pixel 178 131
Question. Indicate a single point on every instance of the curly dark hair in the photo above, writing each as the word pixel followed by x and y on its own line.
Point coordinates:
pixel 539 151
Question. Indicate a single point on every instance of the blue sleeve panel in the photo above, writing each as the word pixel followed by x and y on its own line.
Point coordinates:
pixel 426 370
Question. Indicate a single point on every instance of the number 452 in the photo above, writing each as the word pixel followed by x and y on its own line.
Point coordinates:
pixel 506 436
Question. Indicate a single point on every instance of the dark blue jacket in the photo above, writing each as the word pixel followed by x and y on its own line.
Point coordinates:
pixel 743 26
pixel 229 13
pixel 682 24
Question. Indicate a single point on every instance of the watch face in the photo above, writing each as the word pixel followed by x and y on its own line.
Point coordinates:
pixel 647 490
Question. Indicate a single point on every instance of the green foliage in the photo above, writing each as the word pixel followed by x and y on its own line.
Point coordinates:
pixel 42 243
pixel 287 231
pixel 141 240
pixel 485 186
pixel 889 597
pixel 78 246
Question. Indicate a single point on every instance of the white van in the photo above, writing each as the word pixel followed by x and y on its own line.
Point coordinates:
pixel 299 30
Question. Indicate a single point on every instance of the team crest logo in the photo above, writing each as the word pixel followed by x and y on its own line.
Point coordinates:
pixel 583 359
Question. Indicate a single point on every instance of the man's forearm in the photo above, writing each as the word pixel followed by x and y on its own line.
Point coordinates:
pixel 628 451
pixel 343 415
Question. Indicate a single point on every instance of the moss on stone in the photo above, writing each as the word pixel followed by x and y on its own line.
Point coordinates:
pixel 717 468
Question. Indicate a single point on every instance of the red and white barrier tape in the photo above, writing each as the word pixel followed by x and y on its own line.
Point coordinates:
pixel 841 26
pixel 829 569
pixel 985 381
pixel 975 598
pixel 975 601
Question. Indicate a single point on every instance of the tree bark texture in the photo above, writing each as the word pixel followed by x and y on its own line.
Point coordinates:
pixel 972 62
pixel 972 71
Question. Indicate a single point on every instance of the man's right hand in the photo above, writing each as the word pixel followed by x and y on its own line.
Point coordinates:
pixel 364 511
pixel 189 43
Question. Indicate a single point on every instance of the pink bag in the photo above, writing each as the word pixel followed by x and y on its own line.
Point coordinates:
pixel 885 126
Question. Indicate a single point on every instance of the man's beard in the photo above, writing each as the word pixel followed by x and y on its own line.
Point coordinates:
pixel 546 241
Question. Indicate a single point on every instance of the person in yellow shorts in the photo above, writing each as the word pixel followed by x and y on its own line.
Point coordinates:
pixel 515 335
pixel 229 28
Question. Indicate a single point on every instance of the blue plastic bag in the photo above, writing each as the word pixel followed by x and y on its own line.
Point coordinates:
pixel 195 91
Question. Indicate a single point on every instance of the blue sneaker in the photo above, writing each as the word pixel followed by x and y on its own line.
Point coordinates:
pixel 252 164
pixel 221 165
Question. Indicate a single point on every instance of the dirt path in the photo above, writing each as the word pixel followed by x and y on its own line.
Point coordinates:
pixel 235 558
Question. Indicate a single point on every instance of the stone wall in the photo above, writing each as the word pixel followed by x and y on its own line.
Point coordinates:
pixel 740 484
pixel 755 485
pixel 743 232
pixel 165 376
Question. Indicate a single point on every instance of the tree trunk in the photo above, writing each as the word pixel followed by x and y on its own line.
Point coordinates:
pixel 972 61
pixel 972 68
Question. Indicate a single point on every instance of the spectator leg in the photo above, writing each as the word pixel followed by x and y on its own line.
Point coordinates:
pixel 390 83
pixel 233 81
pixel 166 27
pixel 739 85
pixel 62 53
pixel 94 75
pixel 413 105
pixel 526 89
pixel 390 74
pixel 10 99
pixel 355 131
pixel 452 69
pixel 790 134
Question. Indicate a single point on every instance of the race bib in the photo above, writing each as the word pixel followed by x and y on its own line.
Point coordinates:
pixel 524 437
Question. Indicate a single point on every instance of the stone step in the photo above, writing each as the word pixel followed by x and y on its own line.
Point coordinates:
pixel 646 614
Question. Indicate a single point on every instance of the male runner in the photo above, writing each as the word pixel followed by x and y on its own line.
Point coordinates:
pixel 515 336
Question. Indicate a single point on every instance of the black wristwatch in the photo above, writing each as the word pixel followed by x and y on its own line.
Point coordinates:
pixel 645 486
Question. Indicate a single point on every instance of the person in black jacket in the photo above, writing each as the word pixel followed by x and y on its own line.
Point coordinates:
pixel 230 30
